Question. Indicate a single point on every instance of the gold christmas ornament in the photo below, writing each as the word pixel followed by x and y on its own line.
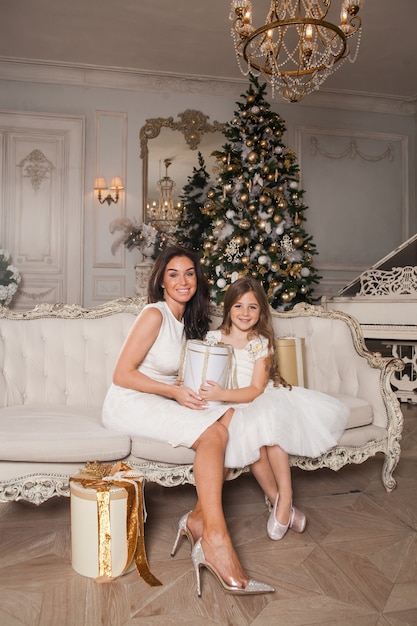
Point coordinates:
pixel 270 177
pixel 250 98
pixel 303 289
pixel 239 240
pixel 274 267
pixel 277 218
pixel 208 246
pixel 244 224
pixel 244 259
pixel 244 197
pixel 211 193
pixel 252 157
pixel 258 247
pixel 285 297
pixel 263 143
pixel 252 207
pixel 249 142
pixel 263 198
pixel 298 241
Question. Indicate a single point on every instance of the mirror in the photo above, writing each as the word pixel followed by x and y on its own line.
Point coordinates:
pixel 179 142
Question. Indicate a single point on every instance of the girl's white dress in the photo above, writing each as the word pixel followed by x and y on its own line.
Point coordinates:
pixel 302 421
pixel 149 415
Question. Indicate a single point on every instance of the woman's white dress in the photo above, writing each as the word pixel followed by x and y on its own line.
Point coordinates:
pixel 149 415
pixel 302 421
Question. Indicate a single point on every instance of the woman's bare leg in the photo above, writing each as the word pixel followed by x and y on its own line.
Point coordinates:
pixel 207 519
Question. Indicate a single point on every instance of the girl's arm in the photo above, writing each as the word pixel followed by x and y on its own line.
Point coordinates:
pixel 213 391
pixel 138 343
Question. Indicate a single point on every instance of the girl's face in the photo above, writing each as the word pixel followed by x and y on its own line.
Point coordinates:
pixel 180 280
pixel 245 312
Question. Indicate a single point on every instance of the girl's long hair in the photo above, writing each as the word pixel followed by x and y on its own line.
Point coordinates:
pixel 196 314
pixel 264 325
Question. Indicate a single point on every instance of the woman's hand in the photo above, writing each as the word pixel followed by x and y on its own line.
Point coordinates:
pixel 211 390
pixel 189 398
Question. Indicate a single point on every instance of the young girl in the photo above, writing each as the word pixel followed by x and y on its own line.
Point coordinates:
pixel 275 419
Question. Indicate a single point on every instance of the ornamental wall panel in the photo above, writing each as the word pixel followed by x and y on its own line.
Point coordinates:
pixel 42 208
pixel 357 190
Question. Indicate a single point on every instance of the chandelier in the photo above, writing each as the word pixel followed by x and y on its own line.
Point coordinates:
pixel 297 48
pixel 165 214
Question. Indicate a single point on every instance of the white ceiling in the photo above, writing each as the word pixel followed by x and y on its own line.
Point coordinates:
pixel 192 37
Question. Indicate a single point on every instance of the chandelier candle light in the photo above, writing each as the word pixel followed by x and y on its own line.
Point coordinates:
pixel 298 47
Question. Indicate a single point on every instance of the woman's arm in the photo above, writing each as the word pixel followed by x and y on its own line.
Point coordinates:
pixel 139 341
pixel 213 391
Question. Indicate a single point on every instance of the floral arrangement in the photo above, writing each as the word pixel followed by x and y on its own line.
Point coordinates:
pixel 9 279
pixel 143 236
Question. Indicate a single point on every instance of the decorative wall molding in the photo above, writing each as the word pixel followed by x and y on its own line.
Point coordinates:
pixel 36 167
pixel 37 71
pixel 356 213
pixel 42 212
pixel 352 150
pixel 107 288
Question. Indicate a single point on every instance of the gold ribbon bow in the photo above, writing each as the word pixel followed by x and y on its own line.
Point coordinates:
pixel 102 478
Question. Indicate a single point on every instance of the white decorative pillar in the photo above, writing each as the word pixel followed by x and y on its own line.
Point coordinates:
pixel 142 270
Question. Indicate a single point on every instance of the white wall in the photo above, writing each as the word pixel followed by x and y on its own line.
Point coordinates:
pixel 379 196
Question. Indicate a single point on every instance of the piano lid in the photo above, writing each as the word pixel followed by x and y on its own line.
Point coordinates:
pixel 403 256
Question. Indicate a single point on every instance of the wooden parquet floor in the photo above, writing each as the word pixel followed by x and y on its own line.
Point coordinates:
pixel 356 564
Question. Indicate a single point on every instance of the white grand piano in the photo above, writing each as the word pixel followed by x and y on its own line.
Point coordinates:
pixel 384 301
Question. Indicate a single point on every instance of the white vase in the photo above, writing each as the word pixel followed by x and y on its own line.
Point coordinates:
pixel 147 252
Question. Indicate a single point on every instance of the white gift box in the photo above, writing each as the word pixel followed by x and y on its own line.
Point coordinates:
pixel 85 531
pixel 202 361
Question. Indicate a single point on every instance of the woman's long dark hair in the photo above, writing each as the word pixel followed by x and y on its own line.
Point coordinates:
pixel 196 314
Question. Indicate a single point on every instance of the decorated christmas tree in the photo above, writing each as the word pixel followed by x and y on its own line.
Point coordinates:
pixel 193 224
pixel 257 210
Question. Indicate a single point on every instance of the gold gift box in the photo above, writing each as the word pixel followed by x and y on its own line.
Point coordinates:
pixel 289 352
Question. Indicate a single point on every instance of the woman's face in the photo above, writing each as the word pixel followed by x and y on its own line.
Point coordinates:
pixel 180 280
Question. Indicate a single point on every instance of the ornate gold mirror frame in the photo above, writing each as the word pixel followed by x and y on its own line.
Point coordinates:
pixel 192 124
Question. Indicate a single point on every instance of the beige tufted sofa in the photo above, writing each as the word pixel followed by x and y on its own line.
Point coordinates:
pixel 56 364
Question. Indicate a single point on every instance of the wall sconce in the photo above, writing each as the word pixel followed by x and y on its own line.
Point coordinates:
pixel 101 185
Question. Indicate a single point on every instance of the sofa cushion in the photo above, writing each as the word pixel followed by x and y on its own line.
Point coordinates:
pixel 152 450
pixel 361 413
pixel 58 434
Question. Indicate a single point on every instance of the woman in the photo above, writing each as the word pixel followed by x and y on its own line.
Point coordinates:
pixel 145 399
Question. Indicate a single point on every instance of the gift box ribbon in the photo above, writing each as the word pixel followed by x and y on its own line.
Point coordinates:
pixel 101 478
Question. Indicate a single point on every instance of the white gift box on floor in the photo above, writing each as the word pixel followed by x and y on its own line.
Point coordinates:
pixel 85 530
pixel 289 352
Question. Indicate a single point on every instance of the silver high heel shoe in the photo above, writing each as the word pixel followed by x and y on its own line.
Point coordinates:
pixel 183 531
pixel 297 522
pixel 253 587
